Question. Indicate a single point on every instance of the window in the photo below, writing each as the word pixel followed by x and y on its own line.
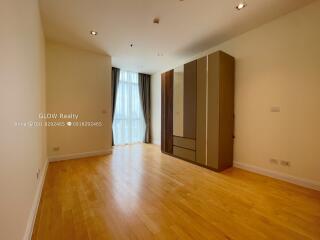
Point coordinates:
pixel 128 124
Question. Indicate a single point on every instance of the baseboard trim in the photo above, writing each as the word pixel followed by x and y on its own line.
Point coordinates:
pixel 156 142
pixel 35 204
pixel 281 176
pixel 79 155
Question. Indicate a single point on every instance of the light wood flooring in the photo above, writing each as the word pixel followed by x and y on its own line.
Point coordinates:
pixel 140 193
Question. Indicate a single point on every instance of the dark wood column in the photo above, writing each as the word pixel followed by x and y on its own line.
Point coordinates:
pixel 167 112
pixel 190 100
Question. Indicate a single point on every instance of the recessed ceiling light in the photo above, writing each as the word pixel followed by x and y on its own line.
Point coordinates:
pixel 241 6
pixel 93 33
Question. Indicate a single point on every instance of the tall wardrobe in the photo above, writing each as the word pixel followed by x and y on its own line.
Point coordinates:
pixel 197 111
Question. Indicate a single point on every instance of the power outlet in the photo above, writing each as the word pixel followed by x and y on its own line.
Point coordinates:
pixel 274 161
pixel 285 163
pixel 56 149
pixel 275 109
pixel 38 173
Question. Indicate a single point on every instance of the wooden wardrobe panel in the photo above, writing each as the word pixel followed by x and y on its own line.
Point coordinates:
pixel 190 100
pixel 163 132
pixel 201 135
pixel 184 153
pixel 167 112
pixel 178 101
pixel 213 111
pixel 226 113
pixel 184 143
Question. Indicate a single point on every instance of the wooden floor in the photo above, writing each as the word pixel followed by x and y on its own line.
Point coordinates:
pixel 140 193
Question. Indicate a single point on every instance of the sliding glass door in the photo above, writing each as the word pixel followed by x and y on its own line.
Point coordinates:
pixel 128 124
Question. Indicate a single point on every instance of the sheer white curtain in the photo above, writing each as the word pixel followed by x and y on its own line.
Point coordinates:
pixel 128 124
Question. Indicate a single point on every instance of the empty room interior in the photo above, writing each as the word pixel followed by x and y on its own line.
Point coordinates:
pixel 168 119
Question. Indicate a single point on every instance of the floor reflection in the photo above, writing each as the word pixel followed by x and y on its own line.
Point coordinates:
pixel 127 173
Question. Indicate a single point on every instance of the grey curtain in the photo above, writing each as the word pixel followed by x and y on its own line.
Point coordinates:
pixel 144 91
pixel 114 89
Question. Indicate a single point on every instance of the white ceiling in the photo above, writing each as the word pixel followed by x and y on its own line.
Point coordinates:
pixel 186 27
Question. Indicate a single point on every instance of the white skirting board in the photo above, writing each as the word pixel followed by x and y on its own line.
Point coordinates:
pixel 288 178
pixel 156 142
pixel 35 204
pixel 79 155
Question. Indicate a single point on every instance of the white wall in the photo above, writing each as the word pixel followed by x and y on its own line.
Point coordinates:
pixel 156 108
pixel 78 82
pixel 277 64
pixel 22 97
